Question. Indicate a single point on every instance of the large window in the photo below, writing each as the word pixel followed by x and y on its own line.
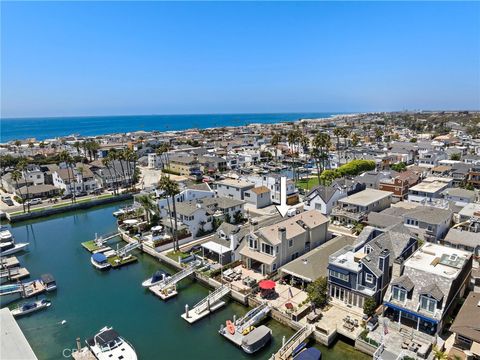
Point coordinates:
pixel 267 249
pixel 252 243
pixel 338 275
pixel 399 294
pixel 369 278
pixel 427 304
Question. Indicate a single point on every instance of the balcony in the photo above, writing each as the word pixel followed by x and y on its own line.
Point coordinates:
pixel 367 290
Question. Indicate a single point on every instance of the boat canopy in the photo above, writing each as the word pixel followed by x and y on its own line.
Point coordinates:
pixel 256 335
pixel 309 354
pixel 99 257
pixel 106 336
pixel 159 274
pixel 47 278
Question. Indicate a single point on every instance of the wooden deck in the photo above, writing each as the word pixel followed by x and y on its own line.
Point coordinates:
pixel 83 354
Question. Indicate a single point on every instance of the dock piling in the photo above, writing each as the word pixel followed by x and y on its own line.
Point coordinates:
pixel 79 347
pixel 186 311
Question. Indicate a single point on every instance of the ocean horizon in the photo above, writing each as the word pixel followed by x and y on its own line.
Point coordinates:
pixel 42 128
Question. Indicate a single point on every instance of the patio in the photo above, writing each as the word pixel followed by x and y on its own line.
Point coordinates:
pixel 245 274
pixel 286 294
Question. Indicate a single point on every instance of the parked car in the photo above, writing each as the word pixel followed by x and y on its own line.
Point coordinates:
pixel 7 199
pixel 34 201
pixel 66 196
pixel 81 193
pixel 291 212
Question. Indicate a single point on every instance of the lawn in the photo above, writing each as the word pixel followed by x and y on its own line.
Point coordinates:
pixel 307 184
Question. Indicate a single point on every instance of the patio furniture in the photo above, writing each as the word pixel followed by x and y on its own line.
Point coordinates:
pixel 355 322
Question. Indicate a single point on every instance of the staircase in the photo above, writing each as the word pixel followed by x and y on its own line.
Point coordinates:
pixel 287 349
pixel 177 277
pixel 127 248
pixel 252 317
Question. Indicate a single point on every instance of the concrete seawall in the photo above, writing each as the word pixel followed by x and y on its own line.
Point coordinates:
pixel 71 207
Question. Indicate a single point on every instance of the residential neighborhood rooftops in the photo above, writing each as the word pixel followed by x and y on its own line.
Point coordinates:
pixel 466 322
pixel 260 190
pixel 366 197
pixel 431 185
pixel 236 183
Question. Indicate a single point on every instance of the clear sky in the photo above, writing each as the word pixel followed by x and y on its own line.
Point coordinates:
pixel 85 58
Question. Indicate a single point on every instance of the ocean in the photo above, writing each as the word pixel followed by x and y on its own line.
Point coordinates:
pixel 50 127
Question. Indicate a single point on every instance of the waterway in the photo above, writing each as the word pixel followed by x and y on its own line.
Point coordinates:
pixel 89 299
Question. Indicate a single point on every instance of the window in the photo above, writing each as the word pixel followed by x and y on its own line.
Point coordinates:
pixel 427 304
pixel 369 278
pixel 252 243
pixel 399 294
pixel 338 275
pixel 290 243
pixel 247 194
pixel 368 249
pixel 267 249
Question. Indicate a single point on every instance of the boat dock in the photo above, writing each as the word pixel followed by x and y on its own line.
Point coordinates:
pixel 207 305
pixel 83 354
pixel 242 325
pixel 285 352
pixel 9 262
pixel 122 257
pixel 13 274
pixel 168 288
pixel 34 288
pixel 98 243
pixel 13 344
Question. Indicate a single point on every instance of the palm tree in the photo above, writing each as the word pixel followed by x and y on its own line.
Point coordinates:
pixel 171 189
pixel 162 185
pixel 22 167
pixel 355 139
pixel 66 158
pixel 338 132
pixel 80 169
pixel 276 138
pixel 106 163
pixel 17 175
pixel 76 144
pixel 438 354
pixel 148 205
pixel 322 143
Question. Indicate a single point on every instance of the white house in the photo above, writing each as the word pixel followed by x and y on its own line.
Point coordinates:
pixel 324 198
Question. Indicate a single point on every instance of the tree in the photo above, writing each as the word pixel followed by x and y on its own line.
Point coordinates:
pixel 413 140
pixel 22 167
pixel 276 138
pixel 66 158
pixel 438 354
pixel 369 306
pixel 17 175
pixel 401 166
pixel 355 139
pixel 455 156
pixel 171 190
pixel 148 205
pixel 238 217
pixel 318 292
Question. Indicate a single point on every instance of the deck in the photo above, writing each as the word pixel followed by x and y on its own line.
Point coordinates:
pixel 117 261
pixel 83 354
pixel 9 262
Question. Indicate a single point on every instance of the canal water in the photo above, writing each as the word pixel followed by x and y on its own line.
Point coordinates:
pixel 88 299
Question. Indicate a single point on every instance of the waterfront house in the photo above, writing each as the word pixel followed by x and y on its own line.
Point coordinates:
pixel 190 193
pixel 465 329
pixel 355 208
pixel 422 295
pixel 75 179
pixel 115 174
pixel 324 198
pixel 273 246
pixel 362 270
pixel 234 189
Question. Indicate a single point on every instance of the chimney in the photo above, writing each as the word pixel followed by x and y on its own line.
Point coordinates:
pixel 282 234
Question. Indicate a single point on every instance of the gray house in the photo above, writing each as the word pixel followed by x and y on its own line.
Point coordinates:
pixel 258 196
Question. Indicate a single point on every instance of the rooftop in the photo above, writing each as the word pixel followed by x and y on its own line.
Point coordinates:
pixel 366 197
pixel 13 344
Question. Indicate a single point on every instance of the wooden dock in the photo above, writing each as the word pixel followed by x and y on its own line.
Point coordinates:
pixel 14 274
pixel 34 288
pixel 207 305
pixel 9 262
pixel 164 293
pixel 117 261
pixel 83 354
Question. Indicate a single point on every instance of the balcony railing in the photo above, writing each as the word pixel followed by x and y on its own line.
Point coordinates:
pixel 367 290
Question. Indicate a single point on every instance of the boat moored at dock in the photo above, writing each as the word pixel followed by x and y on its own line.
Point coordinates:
pixel 157 278
pixel 8 248
pixel 256 339
pixel 31 307
pixel 108 344
pixel 49 282
pixel 100 261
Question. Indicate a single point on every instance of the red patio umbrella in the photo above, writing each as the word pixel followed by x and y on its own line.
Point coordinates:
pixel 267 284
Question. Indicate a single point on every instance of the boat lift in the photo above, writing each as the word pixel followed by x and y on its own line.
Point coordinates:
pixel 251 318
pixel 285 352
pixel 128 248
pixel 207 305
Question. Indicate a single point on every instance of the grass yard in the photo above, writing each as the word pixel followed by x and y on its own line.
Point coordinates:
pixel 307 184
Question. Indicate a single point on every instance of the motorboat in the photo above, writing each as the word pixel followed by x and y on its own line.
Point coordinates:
pixel 157 278
pixel 99 260
pixel 10 293
pixel 256 339
pixel 310 353
pixel 5 235
pixel 49 282
pixel 8 248
pixel 108 344
pixel 30 307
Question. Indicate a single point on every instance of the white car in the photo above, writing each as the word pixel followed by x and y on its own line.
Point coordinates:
pixel 35 201
pixel 7 200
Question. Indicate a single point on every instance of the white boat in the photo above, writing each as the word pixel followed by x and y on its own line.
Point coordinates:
pixel 8 248
pixel 30 307
pixel 5 235
pixel 108 344
pixel 256 339
pixel 99 260
pixel 157 278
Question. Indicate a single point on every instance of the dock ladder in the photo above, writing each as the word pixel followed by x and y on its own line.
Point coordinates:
pixel 287 349
pixel 211 299
pixel 177 277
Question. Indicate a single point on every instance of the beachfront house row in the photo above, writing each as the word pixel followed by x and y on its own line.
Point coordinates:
pixel 324 198
pixel 355 208
pixel 422 295
pixel 273 246
pixel 362 270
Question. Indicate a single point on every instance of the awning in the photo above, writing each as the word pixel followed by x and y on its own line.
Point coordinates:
pixel 403 310
pixel 216 247
pixel 130 221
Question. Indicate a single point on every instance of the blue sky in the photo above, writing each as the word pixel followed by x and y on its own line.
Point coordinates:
pixel 85 58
